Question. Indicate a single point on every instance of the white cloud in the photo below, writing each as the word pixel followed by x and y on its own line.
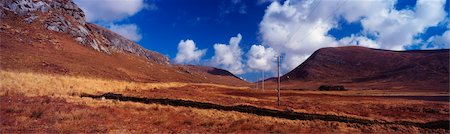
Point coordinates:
pixel 438 41
pixel 286 29
pixel 188 52
pixel 108 12
pixel 111 10
pixel 298 28
pixel 129 31
pixel 229 56
pixel 396 29
pixel 358 40
pixel 261 58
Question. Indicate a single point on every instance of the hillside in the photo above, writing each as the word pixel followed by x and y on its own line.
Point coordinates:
pixel 374 68
pixel 54 37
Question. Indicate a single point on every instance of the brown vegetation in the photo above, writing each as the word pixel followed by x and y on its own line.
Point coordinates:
pixel 33 84
pixel 43 73
pixel 55 107
pixel 366 68
pixel 75 115
pixel 331 88
pixel 32 48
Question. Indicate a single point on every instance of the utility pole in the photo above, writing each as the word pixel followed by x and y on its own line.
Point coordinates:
pixel 263 80
pixel 256 83
pixel 278 58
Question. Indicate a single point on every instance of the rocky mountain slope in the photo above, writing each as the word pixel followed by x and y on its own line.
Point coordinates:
pixel 64 16
pixel 52 36
pixel 355 64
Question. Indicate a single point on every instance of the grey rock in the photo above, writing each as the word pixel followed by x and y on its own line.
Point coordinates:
pixel 30 19
pixel 2 14
pixel 69 8
pixel 79 39
pixel 104 49
pixel 41 6
pixel 25 7
pixel 120 43
pixel 57 23
pixel 83 30
pixel 53 28
pixel 95 45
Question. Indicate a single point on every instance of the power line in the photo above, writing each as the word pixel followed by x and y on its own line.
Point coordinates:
pixel 307 16
pixel 290 38
pixel 316 26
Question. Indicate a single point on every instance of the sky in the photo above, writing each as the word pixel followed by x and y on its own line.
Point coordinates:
pixel 245 36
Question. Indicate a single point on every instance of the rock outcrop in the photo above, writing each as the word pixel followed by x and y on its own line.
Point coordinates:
pixel 64 16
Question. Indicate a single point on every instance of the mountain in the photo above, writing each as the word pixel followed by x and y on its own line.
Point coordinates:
pixel 52 36
pixel 374 68
pixel 64 16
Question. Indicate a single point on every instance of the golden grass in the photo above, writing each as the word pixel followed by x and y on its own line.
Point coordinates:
pixel 151 118
pixel 86 115
pixel 376 93
pixel 223 121
pixel 36 84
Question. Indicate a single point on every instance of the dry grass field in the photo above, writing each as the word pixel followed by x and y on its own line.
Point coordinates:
pixel 62 73
pixel 39 84
pixel 33 102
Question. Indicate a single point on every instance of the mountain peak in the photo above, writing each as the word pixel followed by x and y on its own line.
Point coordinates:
pixel 64 16
pixel 353 64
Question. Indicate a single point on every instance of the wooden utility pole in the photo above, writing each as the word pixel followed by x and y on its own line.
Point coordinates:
pixel 256 83
pixel 263 80
pixel 278 58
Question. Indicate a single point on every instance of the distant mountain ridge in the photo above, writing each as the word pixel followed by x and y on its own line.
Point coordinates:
pixel 358 64
pixel 355 64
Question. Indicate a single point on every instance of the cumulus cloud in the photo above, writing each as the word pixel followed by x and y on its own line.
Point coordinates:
pixel 286 28
pixel 396 29
pixel 261 58
pixel 358 40
pixel 188 52
pixel 438 41
pixel 229 56
pixel 108 11
pixel 129 31
pixel 297 28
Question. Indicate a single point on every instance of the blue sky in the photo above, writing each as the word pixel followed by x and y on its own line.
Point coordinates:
pixel 267 28
pixel 198 20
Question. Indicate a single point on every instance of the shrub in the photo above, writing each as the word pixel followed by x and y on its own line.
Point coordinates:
pixel 37 114
pixel 332 88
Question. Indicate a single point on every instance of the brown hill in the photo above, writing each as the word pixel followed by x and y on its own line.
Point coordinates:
pixel 374 68
pixel 53 37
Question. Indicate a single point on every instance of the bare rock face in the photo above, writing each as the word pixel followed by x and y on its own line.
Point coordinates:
pixel 117 42
pixel 65 16
pixel 25 7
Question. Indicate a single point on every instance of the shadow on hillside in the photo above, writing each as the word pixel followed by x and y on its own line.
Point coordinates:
pixel 220 72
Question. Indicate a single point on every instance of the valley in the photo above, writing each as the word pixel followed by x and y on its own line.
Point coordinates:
pixel 60 73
